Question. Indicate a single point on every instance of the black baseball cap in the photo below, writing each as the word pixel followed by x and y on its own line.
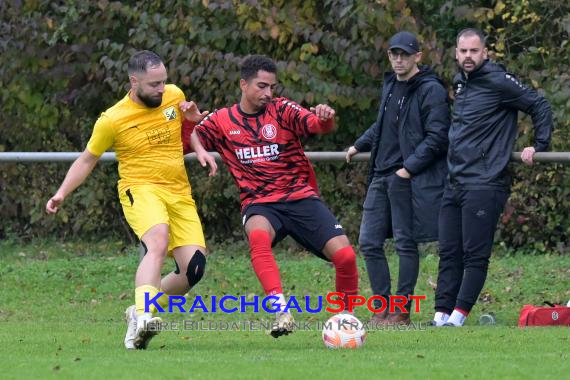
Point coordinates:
pixel 405 41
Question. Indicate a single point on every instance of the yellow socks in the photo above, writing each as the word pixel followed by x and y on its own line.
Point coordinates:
pixel 163 300
pixel 140 295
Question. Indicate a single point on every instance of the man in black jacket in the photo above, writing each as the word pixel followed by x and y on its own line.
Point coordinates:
pixel 481 139
pixel 408 144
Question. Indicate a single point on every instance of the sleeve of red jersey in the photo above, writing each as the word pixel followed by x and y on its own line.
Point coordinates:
pixel 208 132
pixel 303 121
pixel 187 129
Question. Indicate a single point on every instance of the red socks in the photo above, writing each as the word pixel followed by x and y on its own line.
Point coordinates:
pixel 263 262
pixel 267 272
pixel 344 261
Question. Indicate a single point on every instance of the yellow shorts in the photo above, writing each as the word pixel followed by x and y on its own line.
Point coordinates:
pixel 147 206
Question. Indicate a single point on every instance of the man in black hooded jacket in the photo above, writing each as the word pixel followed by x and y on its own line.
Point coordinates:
pixel 481 138
pixel 408 144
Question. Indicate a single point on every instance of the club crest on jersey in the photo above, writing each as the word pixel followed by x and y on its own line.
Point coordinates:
pixel 269 131
pixel 170 113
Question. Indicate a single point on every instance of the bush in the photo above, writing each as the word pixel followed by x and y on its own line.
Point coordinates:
pixel 64 62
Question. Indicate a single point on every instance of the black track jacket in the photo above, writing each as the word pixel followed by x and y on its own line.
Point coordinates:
pixel 423 129
pixel 484 126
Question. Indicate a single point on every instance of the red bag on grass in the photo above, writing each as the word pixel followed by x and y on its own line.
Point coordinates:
pixel 552 315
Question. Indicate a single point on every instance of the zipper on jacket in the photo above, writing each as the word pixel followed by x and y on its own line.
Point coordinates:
pixel 484 159
pixel 452 156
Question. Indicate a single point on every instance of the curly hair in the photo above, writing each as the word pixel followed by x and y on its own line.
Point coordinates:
pixel 254 63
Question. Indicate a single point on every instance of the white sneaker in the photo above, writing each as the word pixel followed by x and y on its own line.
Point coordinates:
pixel 131 318
pixel 439 319
pixel 283 324
pixel 147 327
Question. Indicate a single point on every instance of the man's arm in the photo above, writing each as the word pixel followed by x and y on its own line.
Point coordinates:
pixel 516 95
pixel 202 155
pixel 366 140
pixel 102 138
pixel 204 138
pixel 192 112
pixel 435 114
pixel 363 143
pixel 324 121
pixel 76 175
pixel 317 120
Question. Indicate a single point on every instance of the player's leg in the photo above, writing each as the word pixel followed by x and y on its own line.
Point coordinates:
pixel 260 226
pixel 313 225
pixel 260 234
pixel 147 282
pixel 190 267
pixel 148 273
pixel 147 216
pixel 340 252
pixel 187 246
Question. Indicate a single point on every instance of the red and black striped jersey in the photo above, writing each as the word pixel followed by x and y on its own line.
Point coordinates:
pixel 263 151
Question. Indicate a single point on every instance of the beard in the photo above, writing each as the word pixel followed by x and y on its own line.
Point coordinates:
pixel 150 102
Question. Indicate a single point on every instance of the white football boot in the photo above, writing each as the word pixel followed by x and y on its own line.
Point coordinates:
pixel 283 324
pixel 147 327
pixel 131 318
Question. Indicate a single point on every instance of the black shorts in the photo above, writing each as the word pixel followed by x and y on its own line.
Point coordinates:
pixel 308 221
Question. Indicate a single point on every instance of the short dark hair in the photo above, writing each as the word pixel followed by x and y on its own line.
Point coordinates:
pixel 472 32
pixel 141 60
pixel 253 63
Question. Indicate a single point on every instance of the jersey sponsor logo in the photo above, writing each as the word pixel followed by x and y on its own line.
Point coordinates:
pixel 170 113
pixel 158 136
pixel 269 131
pixel 235 132
pixel 257 153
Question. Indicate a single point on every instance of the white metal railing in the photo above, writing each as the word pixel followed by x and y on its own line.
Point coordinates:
pixel 563 157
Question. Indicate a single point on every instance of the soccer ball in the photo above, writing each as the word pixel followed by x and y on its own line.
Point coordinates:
pixel 343 331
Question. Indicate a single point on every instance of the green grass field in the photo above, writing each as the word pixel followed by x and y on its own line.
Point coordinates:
pixel 61 316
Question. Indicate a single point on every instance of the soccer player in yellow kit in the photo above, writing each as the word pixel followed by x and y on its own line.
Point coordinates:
pixel 145 128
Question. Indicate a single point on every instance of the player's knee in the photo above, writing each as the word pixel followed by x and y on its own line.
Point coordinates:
pixel 344 257
pixel 156 240
pixel 155 248
pixel 196 267
pixel 259 238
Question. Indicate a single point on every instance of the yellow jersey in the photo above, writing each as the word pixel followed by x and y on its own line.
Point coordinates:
pixel 147 142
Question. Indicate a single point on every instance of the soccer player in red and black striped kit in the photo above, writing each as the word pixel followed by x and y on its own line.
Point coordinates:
pixel 259 141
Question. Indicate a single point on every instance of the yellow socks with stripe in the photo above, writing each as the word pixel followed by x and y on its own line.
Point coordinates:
pixel 140 295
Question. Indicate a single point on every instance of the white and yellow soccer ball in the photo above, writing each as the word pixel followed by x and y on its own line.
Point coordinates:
pixel 343 331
